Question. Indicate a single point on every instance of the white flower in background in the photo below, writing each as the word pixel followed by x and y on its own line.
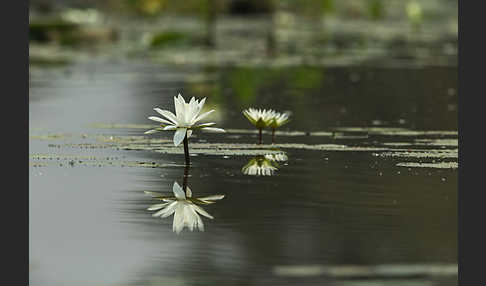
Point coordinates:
pixel 183 206
pixel 259 166
pixel 279 157
pixel 278 119
pixel 259 117
pixel 185 120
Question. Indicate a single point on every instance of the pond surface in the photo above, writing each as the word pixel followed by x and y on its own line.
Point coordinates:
pixel 321 215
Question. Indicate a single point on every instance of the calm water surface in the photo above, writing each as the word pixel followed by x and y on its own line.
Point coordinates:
pixel 89 225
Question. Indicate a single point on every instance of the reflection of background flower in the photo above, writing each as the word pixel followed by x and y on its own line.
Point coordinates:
pixel 264 165
pixel 279 157
pixel 184 207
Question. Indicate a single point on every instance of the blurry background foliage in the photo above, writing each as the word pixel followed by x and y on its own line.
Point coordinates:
pixel 306 32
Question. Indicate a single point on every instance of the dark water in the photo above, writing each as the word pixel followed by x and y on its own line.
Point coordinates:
pixel 90 226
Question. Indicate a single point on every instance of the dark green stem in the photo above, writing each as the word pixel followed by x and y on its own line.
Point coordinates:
pixel 186 151
pixel 184 180
pixel 260 135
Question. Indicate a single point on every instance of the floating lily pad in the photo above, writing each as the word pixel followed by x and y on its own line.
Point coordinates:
pixel 439 165
pixel 442 154
pixel 395 131
pixel 122 126
pixel 426 142
pixel 43 160
pixel 437 142
pixel 54 136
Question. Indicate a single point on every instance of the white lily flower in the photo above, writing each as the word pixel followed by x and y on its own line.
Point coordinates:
pixel 259 117
pixel 260 166
pixel 185 120
pixel 278 119
pixel 183 206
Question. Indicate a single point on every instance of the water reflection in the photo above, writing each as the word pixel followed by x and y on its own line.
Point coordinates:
pixel 265 165
pixel 184 206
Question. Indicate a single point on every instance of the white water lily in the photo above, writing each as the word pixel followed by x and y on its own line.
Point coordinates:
pixel 185 120
pixel 259 117
pixel 278 119
pixel 183 206
pixel 259 166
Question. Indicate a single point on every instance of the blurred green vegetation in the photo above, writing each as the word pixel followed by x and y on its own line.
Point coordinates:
pixel 187 7
pixel 245 83
pixel 376 9
pixel 47 62
pixel 305 77
pixel 311 8
pixel 56 29
pixel 164 39
pixel 68 33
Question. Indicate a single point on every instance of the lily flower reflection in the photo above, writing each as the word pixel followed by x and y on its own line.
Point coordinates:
pixel 184 207
pixel 264 165
pixel 279 157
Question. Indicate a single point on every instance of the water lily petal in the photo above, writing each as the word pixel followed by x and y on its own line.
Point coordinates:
pixel 191 218
pixel 212 198
pixel 181 99
pixel 179 136
pixel 150 131
pixel 214 129
pixel 193 111
pixel 200 223
pixel 158 119
pixel 189 133
pixel 167 211
pixel 202 116
pixel 167 114
pixel 178 223
pixel 188 192
pixel 157 206
pixel 202 212
pixel 200 105
pixel 205 125
pixel 178 191
pixel 179 107
pixel 153 194
pixel 170 127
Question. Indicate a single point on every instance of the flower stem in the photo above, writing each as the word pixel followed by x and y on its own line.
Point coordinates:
pixel 186 151
pixel 184 179
pixel 273 135
pixel 260 135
